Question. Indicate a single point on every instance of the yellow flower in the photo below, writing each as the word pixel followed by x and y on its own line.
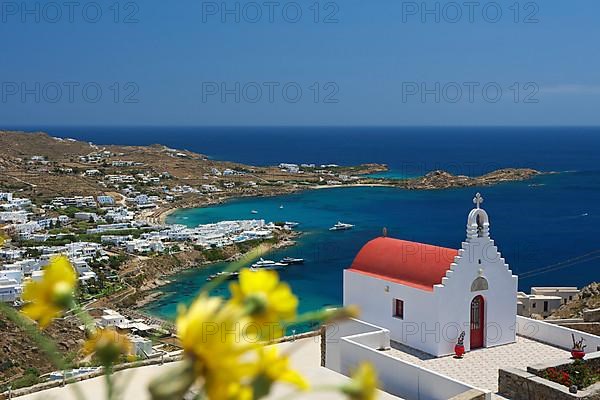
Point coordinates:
pixel 212 337
pixel 363 385
pixel 53 294
pixel 265 299
pixel 108 346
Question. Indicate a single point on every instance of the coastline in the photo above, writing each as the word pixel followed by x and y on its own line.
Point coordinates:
pixel 434 180
pixel 163 215
pixel 149 290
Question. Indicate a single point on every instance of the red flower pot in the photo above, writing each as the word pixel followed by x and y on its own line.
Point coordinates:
pixel 578 354
pixel 459 350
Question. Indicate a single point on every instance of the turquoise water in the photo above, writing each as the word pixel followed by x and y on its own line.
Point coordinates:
pixel 534 223
pixel 392 174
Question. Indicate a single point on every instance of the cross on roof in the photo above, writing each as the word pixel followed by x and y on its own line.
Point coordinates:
pixel 478 199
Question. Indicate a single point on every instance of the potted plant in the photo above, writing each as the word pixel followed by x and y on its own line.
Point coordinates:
pixel 459 348
pixel 578 350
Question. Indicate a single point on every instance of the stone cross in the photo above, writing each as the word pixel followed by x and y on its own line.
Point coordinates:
pixel 478 199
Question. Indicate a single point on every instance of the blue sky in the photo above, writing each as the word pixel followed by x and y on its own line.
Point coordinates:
pixel 373 63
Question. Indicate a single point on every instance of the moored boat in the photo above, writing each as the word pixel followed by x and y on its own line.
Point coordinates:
pixel 228 275
pixel 340 226
pixel 268 264
pixel 292 260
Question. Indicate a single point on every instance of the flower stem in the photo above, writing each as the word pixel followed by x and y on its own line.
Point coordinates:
pixel 110 385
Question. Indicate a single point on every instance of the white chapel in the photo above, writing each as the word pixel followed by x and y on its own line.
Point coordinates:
pixel 427 295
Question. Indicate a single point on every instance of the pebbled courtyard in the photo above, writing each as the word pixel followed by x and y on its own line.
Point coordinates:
pixel 480 367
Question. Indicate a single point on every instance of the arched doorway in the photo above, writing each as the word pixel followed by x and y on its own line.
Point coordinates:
pixel 477 322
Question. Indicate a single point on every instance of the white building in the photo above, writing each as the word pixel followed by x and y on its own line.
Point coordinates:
pixel 121 163
pixel 210 188
pixel 111 318
pixel 109 227
pixel 529 305
pixel 144 246
pixel 26 266
pixel 566 293
pixel 84 272
pixel 115 239
pixel 18 203
pixel 543 301
pixel 287 167
pixel 119 215
pixel 9 290
pixel 92 172
pixel 15 217
pixel 12 274
pixel 105 200
pixel 11 254
pixel 141 347
pixel 427 295
pixel 141 199
pixel 25 230
pixel 77 201
pixel 6 196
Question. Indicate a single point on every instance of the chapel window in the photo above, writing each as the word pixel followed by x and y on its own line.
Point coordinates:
pixel 398 308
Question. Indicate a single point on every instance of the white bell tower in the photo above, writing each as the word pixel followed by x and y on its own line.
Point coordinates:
pixel 478 222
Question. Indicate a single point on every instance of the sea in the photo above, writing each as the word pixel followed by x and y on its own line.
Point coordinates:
pixel 546 228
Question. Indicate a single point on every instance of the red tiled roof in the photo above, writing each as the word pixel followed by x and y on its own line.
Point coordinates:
pixel 413 264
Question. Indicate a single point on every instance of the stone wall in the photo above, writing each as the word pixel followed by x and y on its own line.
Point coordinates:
pixel 591 315
pixel 587 327
pixel 517 384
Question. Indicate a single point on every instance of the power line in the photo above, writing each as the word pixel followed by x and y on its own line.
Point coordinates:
pixel 563 264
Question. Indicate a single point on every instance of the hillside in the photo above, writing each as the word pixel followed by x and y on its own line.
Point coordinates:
pixel 588 298
pixel 21 361
pixel 43 167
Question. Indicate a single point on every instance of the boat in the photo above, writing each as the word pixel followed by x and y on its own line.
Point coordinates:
pixel 281 206
pixel 292 260
pixel 254 212
pixel 228 275
pixel 291 224
pixel 268 264
pixel 340 226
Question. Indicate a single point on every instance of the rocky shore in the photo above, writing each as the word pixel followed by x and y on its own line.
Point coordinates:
pixel 444 180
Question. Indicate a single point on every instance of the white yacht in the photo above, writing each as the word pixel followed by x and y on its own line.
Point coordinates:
pixel 268 264
pixel 292 260
pixel 340 226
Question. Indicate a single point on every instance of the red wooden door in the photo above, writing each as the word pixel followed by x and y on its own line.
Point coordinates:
pixel 477 322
